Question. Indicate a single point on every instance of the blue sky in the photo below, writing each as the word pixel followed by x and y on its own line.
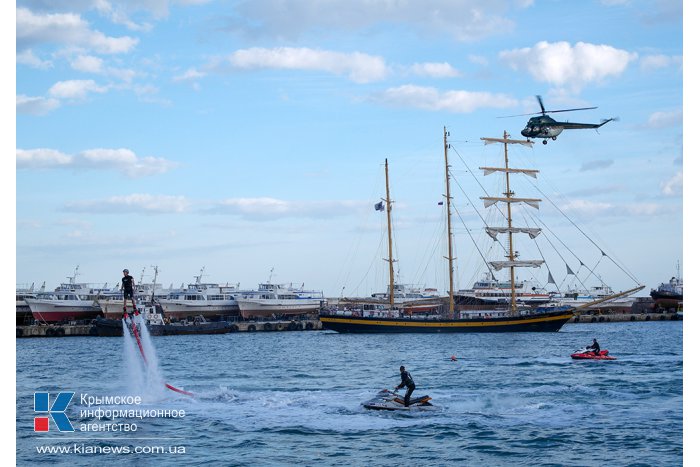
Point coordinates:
pixel 243 136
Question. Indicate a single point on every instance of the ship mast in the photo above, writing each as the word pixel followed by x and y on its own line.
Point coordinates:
pixel 388 224
pixel 509 199
pixel 511 256
pixel 449 258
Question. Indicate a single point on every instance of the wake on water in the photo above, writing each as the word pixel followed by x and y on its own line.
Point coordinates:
pixel 142 372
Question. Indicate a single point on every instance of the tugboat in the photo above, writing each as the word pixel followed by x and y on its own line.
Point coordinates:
pixel 669 295
pixel 158 326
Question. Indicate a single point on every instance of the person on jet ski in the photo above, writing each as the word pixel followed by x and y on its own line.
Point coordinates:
pixel 595 347
pixel 406 380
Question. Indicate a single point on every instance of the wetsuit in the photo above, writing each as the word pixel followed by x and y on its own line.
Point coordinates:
pixel 128 286
pixel 595 347
pixel 407 381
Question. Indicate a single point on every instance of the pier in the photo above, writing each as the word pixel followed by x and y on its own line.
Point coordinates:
pixel 623 317
pixel 65 330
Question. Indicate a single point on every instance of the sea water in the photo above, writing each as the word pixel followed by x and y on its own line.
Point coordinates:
pixel 294 398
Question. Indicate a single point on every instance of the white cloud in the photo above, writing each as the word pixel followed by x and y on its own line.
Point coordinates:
pixel 27 57
pixel 65 29
pixel 121 160
pixel 653 62
pixel 131 204
pixel 673 186
pixel 92 64
pixel 478 60
pixel 465 20
pixel 567 66
pixel 42 158
pixel 359 67
pixel 435 70
pixel 75 89
pixel 665 119
pixel 190 75
pixel 272 208
pixel 36 105
pixel 87 63
pixel 428 98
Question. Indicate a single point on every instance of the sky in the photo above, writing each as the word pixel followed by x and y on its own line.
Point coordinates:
pixel 248 138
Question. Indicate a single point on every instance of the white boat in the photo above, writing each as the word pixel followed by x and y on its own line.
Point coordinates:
pixel 69 301
pixel 488 292
pixel 210 300
pixel 578 297
pixel 279 299
pixel 112 302
pixel 23 312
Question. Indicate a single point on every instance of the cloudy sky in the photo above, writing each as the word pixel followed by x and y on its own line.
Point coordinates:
pixel 246 136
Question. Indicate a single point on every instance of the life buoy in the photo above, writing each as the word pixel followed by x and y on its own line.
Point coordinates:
pixel 267 327
pixel 50 332
pixel 60 332
pixel 234 328
pixel 252 328
pixel 593 320
pixel 633 318
pixel 648 318
pixel 309 325
pixel 19 332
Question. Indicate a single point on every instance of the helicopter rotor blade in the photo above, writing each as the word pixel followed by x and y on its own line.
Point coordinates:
pixel 519 115
pixel 570 110
pixel 539 99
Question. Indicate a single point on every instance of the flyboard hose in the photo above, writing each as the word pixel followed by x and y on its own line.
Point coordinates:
pixel 138 341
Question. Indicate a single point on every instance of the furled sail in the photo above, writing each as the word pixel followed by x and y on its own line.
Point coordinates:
pixel 490 201
pixel 494 231
pixel 532 263
pixel 507 141
pixel 528 172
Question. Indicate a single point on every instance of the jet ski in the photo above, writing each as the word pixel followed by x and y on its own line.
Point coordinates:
pixel 588 354
pixel 390 400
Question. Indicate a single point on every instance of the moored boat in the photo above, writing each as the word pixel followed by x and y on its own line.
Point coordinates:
pixel 488 292
pixel 158 325
pixel 669 295
pixel 210 300
pixel 514 318
pixel 22 310
pixel 279 300
pixel 69 301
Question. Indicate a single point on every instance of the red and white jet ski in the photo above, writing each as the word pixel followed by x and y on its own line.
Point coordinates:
pixel 588 354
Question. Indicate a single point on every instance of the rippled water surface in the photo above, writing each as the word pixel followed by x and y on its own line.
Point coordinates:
pixel 287 398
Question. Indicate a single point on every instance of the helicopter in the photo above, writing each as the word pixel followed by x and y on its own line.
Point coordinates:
pixel 544 126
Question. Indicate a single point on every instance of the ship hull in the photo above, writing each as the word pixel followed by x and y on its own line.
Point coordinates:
pixel 666 299
pixel 541 322
pixel 113 328
pixel 51 312
pixel 266 308
pixel 177 311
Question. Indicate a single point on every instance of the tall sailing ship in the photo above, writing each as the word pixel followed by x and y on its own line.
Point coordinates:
pixel 447 318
